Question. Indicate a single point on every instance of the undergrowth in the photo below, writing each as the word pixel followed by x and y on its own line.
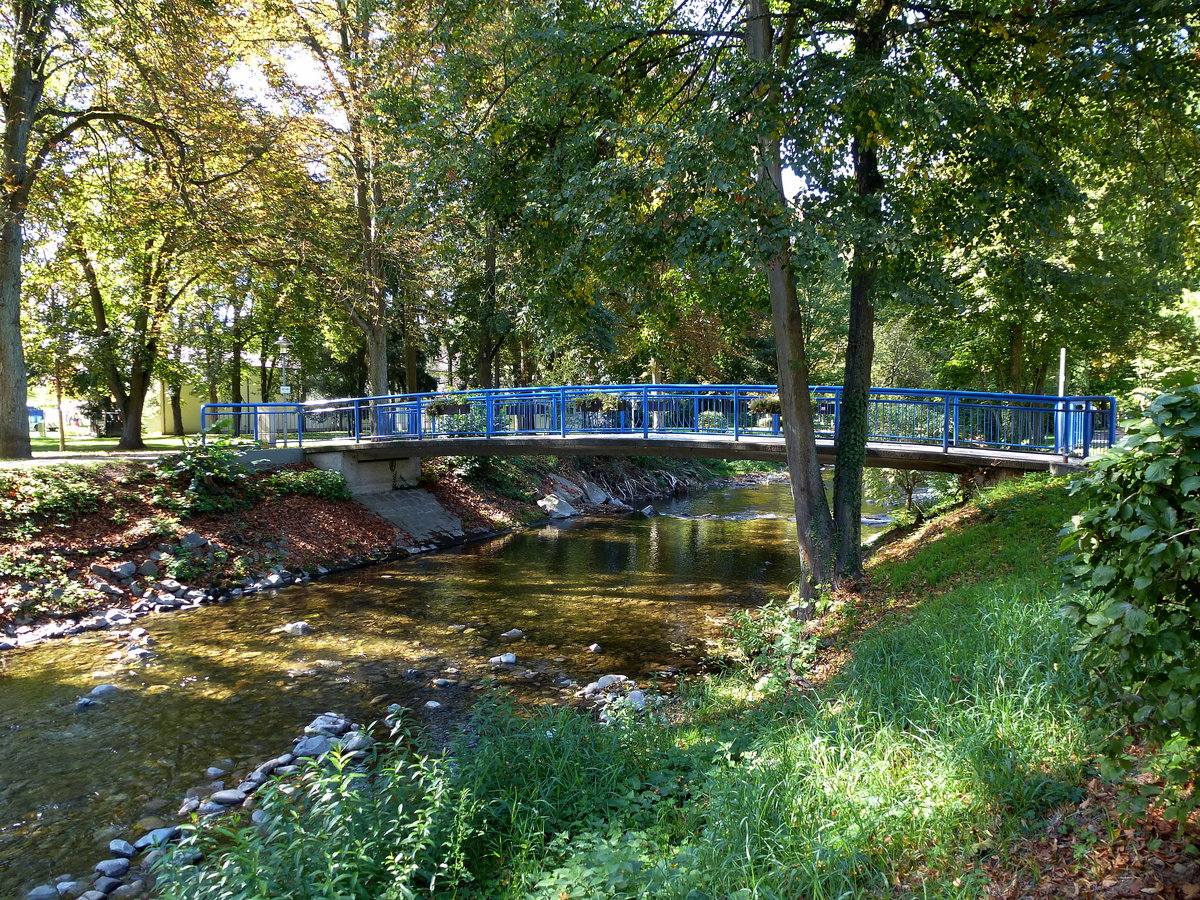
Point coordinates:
pixel 946 735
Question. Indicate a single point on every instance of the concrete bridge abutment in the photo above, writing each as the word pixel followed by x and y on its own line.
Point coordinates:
pixel 369 476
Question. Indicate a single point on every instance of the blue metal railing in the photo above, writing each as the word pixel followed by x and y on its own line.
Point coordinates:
pixel 1060 426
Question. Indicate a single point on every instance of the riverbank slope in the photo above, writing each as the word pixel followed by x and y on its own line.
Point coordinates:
pixel 920 739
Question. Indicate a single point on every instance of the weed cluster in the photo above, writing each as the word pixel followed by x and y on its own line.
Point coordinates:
pixel 32 499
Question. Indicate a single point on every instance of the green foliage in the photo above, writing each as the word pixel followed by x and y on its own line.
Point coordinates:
pixel 765 406
pixel 318 483
pixel 207 472
pixel 711 420
pixel 1135 556
pixel 42 585
pixel 771 639
pixel 33 499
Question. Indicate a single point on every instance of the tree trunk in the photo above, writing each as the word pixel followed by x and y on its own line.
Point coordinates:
pixel 62 427
pixel 235 387
pixel 853 419
pixel 177 409
pixel 131 417
pixel 814 527
pixel 487 350
pixel 14 389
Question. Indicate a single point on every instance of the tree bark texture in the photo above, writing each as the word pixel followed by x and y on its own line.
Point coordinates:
pixel 814 527
pixel 854 412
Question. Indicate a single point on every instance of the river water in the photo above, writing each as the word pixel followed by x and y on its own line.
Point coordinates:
pixel 226 686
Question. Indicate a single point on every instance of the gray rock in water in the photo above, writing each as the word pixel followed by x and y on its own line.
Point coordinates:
pixel 557 508
pixel 120 848
pixel 7 645
pixel 209 808
pixel 296 629
pixel 433 704
pixel 84 703
pixel 190 805
pixel 593 648
pixel 103 690
pixel 140 653
pixel 193 541
pixel 604 682
pixel 113 868
pixel 355 741
pixel 71 889
pixel 229 797
pixel 43 892
pixel 313 746
pixel 593 493
pixel 125 570
pixel 649 512
pixel 105 885
pixel 133 889
pixel 513 635
pixel 215 772
pixel 93 895
pixel 504 659
pixel 158 837
pixel 329 723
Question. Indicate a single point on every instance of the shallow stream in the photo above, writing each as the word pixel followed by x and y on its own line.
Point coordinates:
pixel 224 685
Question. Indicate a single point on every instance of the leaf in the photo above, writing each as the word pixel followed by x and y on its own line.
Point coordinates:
pixel 1103 575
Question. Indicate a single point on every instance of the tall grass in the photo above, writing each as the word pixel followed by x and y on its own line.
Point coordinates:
pixel 944 735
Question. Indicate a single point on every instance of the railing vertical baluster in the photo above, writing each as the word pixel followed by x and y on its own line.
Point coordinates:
pixel 420 420
pixel 645 412
pixel 357 421
pixel 562 412
pixel 255 417
pixel 1112 423
pixel 1089 427
pixel 737 417
pixel 299 425
pixel 696 409
pixel 954 440
pixel 945 423
pixel 490 413
pixel 837 412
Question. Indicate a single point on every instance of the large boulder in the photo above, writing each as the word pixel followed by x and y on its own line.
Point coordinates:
pixel 557 508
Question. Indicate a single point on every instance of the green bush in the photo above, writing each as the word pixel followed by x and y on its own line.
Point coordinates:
pixel 307 482
pixel 31 499
pixel 207 472
pixel 1135 554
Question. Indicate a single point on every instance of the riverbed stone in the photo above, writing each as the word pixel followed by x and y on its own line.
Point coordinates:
pixel 355 741
pixel 556 507
pixel 209 808
pixel 70 889
pixel 314 745
pixel 329 723
pixel 106 885
pixel 7 645
pixel 433 704
pixel 513 634
pixel 636 699
pixel 149 568
pixel 297 629
pixel 101 691
pixel 504 659
pixel 113 868
pixel 121 849
pixel 593 648
pixel 43 892
pixel 604 682
pixel 133 889
pixel 93 895
pixel 229 797
pixel 648 511
pixel 159 836
pixel 125 570
pixel 215 772
pixel 193 541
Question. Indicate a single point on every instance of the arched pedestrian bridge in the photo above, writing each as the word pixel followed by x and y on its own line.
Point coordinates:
pixel 948 431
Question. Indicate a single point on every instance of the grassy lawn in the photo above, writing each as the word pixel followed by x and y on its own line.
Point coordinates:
pixel 947 732
pixel 89 444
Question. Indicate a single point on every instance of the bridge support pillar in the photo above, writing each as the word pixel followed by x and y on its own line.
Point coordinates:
pixel 368 476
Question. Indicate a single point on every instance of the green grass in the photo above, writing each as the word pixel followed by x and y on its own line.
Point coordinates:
pixel 77 444
pixel 949 732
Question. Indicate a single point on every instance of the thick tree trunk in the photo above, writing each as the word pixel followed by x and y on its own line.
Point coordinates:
pixel 235 387
pixel 132 408
pixel 814 527
pixel 14 389
pixel 177 409
pixel 853 424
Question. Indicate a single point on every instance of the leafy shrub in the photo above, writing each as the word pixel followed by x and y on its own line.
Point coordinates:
pixel 1136 555
pixel 765 406
pixel 711 420
pixel 207 472
pixel 771 639
pixel 306 482
pixel 31 499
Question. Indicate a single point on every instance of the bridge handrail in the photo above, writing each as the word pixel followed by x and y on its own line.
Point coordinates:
pixel 1035 423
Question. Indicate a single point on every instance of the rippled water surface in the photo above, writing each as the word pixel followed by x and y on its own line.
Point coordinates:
pixel 225 684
